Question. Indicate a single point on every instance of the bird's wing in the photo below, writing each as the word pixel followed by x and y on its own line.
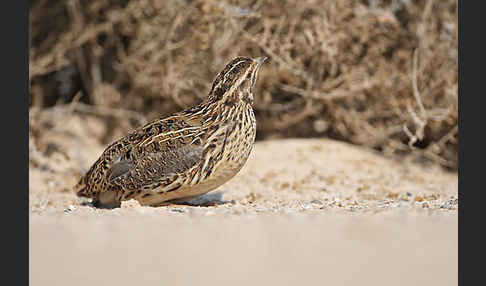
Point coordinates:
pixel 160 151
pixel 154 168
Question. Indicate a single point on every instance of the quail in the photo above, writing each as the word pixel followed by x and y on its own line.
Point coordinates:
pixel 185 155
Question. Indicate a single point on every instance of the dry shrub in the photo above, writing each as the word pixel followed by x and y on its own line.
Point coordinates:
pixel 381 74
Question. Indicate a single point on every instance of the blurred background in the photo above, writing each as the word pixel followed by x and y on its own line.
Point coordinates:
pixel 380 74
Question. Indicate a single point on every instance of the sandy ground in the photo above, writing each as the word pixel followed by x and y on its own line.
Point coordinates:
pixel 300 211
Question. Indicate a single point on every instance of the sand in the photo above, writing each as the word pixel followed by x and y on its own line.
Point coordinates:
pixel 300 211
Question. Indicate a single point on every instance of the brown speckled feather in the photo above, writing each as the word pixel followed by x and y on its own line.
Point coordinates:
pixel 184 155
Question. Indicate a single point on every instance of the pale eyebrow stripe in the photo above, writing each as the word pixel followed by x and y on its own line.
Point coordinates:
pixel 232 68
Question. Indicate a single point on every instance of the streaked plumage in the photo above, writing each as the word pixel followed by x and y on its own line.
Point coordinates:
pixel 184 155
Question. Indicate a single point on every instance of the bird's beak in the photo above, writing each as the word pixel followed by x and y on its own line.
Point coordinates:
pixel 260 60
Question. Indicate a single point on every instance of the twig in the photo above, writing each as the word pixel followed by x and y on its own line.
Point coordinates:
pixel 337 94
pixel 420 121
pixel 101 111
pixel 416 92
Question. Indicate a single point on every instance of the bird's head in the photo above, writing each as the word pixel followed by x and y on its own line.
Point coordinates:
pixel 236 80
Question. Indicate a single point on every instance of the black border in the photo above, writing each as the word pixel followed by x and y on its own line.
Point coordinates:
pixel 471 88
pixel 14 136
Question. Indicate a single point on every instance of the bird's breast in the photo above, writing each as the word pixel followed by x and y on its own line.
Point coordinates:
pixel 238 146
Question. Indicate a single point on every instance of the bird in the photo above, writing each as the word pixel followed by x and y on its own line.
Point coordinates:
pixel 185 155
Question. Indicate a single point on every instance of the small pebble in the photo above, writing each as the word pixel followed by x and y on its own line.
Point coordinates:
pixel 306 207
pixel 418 199
pixel 70 209
pixel 449 204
